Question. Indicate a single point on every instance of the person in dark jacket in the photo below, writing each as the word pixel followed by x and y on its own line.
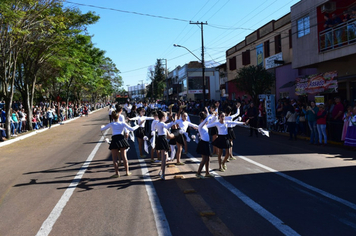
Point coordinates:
pixel 252 115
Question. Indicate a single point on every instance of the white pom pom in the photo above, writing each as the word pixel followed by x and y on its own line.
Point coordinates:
pixel 145 138
pixel 153 133
pixel 102 126
pixel 181 131
pixel 107 140
pixel 193 137
pixel 239 118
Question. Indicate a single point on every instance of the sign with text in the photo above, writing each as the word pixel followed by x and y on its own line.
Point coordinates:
pixel 270 60
pixel 318 83
pixel 319 100
pixel 270 108
pixel 197 91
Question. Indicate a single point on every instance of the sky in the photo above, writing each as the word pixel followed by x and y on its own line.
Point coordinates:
pixel 135 33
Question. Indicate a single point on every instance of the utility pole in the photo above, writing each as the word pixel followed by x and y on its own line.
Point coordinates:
pixel 202 53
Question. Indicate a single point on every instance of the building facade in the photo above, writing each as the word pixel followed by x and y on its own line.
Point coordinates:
pixel 324 39
pixel 185 82
pixel 137 92
pixel 271 47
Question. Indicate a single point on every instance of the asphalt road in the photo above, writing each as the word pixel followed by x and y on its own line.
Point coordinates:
pixel 57 183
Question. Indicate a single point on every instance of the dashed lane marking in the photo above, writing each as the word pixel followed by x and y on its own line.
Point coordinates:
pixel 276 222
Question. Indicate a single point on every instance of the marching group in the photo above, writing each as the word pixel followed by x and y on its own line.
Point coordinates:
pixel 168 134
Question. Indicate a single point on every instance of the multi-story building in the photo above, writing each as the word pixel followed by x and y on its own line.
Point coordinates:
pixel 324 39
pixel 270 46
pixel 223 81
pixel 185 82
pixel 137 92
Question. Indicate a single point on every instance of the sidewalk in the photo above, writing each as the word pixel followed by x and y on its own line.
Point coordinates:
pixel 31 133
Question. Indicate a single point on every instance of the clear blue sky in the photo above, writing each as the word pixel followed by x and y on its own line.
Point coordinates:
pixel 134 42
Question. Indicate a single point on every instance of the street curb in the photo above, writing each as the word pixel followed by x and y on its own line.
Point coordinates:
pixel 22 137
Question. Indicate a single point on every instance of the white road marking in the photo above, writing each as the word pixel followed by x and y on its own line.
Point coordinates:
pixel 47 225
pixel 158 213
pixel 276 222
pixel 301 183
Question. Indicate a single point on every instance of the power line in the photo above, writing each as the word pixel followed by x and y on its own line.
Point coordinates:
pixel 129 12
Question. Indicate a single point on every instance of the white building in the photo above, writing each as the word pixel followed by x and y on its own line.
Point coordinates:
pixel 138 91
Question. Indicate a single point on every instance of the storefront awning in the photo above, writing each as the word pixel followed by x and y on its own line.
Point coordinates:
pixel 288 85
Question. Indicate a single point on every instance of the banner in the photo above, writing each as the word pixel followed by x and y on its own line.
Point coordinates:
pixel 319 100
pixel 270 108
pixel 259 54
pixel 318 83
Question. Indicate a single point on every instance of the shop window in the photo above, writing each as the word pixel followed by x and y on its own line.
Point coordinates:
pixel 277 44
pixel 303 26
pixel 232 63
pixel 246 58
pixel 266 49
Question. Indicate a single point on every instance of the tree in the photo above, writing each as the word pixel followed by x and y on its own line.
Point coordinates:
pixel 54 32
pixel 18 19
pixel 254 80
pixel 157 76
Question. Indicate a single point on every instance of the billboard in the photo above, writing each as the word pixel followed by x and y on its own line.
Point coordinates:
pixel 318 83
pixel 259 54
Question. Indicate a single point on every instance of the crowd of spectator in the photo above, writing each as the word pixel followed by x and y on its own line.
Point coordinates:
pixel 339 28
pixel 43 116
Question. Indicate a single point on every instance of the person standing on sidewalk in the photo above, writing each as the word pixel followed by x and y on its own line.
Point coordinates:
pixel 291 122
pixel 252 115
pixel 350 139
pixel 336 120
pixel 321 124
pixel 311 112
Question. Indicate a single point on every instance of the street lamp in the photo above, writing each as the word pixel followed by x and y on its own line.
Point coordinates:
pixel 202 65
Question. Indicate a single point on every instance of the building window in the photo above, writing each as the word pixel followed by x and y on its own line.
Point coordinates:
pixel 290 38
pixel 277 44
pixel 232 63
pixel 266 48
pixel 303 25
pixel 246 58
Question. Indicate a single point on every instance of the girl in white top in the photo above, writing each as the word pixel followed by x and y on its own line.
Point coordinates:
pixel 213 132
pixel 223 142
pixel 162 143
pixel 230 128
pixel 140 132
pixel 203 147
pixel 183 125
pixel 118 142
pixel 153 130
